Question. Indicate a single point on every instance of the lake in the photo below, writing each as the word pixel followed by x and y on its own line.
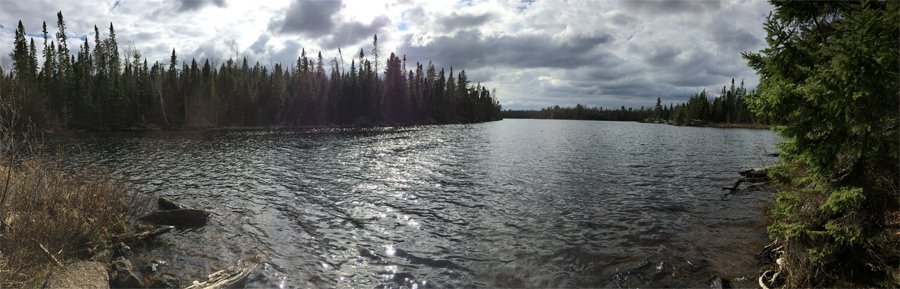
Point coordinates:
pixel 513 203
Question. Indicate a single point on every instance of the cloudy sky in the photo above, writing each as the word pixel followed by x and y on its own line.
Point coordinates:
pixel 535 53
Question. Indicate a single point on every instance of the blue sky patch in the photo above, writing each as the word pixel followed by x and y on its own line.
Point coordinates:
pixel 402 26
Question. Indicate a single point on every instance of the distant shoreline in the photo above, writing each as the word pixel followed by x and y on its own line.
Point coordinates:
pixel 704 124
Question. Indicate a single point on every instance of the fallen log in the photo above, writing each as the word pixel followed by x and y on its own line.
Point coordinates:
pixel 165 204
pixel 753 175
pixel 178 218
pixel 756 172
pixel 232 277
pixel 737 183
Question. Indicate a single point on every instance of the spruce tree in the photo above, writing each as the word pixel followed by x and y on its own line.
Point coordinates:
pixel 830 72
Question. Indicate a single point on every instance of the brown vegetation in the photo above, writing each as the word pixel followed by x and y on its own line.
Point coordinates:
pixel 50 216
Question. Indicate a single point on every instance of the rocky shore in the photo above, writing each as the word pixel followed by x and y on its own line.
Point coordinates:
pixel 117 267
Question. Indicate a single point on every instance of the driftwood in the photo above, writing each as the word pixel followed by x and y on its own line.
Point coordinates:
pixel 232 277
pixel 179 218
pixel 737 183
pixel 756 172
pixel 165 204
pixel 176 214
pixel 154 232
pixel 753 175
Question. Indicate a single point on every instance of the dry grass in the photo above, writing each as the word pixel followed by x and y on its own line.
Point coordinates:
pixel 69 213
pixel 51 216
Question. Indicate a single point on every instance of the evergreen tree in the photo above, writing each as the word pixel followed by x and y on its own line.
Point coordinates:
pixel 20 52
pixel 830 72
pixel 95 89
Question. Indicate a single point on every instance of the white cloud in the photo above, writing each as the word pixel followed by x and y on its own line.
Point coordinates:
pixel 535 53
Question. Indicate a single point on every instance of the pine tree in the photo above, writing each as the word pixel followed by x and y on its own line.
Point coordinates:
pixel 20 52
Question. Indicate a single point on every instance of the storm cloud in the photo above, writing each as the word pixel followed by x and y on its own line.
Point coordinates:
pixel 309 18
pixel 456 21
pixel 473 49
pixel 354 32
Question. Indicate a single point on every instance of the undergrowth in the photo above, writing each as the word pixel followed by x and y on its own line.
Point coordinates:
pixel 835 235
pixel 71 214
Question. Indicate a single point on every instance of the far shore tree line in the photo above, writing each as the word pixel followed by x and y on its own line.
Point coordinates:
pixel 731 106
pixel 110 87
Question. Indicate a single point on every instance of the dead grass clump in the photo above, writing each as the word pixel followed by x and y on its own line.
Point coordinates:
pixel 70 213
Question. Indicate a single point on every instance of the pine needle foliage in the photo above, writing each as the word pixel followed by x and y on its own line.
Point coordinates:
pixel 830 74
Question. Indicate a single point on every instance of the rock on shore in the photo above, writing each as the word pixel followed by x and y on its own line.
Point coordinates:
pixel 83 274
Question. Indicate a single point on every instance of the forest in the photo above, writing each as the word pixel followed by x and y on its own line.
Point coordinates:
pixel 109 87
pixel 731 106
pixel 581 112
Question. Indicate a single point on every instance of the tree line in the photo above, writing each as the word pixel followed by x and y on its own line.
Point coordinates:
pixel 112 87
pixel 731 106
pixel 581 112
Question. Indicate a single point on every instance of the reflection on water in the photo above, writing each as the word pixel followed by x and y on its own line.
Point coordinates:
pixel 504 204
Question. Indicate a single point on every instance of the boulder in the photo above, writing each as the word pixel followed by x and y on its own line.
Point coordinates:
pixel 178 218
pixel 84 274
pixel 125 277
pixel 166 281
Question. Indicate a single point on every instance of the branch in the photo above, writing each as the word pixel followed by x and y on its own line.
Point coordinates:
pixel 48 253
pixel 816 22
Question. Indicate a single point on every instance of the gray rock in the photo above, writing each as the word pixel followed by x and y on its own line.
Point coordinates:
pixel 124 250
pixel 83 274
pixel 178 218
pixel 152 268
pixel 166 281
pixel 121 265
pixel 125 277
pixel 102 256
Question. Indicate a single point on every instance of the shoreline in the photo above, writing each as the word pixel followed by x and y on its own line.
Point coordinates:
pixel 155 128
pixel 701 123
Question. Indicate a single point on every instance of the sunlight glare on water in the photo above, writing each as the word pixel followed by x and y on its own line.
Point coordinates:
pixel 515 203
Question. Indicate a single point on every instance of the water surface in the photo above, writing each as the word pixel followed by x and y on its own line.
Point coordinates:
pixel 514 203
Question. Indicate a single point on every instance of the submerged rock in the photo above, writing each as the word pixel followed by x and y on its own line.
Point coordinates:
pixel 83 274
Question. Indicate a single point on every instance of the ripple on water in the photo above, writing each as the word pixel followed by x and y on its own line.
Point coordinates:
pixel 514 203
